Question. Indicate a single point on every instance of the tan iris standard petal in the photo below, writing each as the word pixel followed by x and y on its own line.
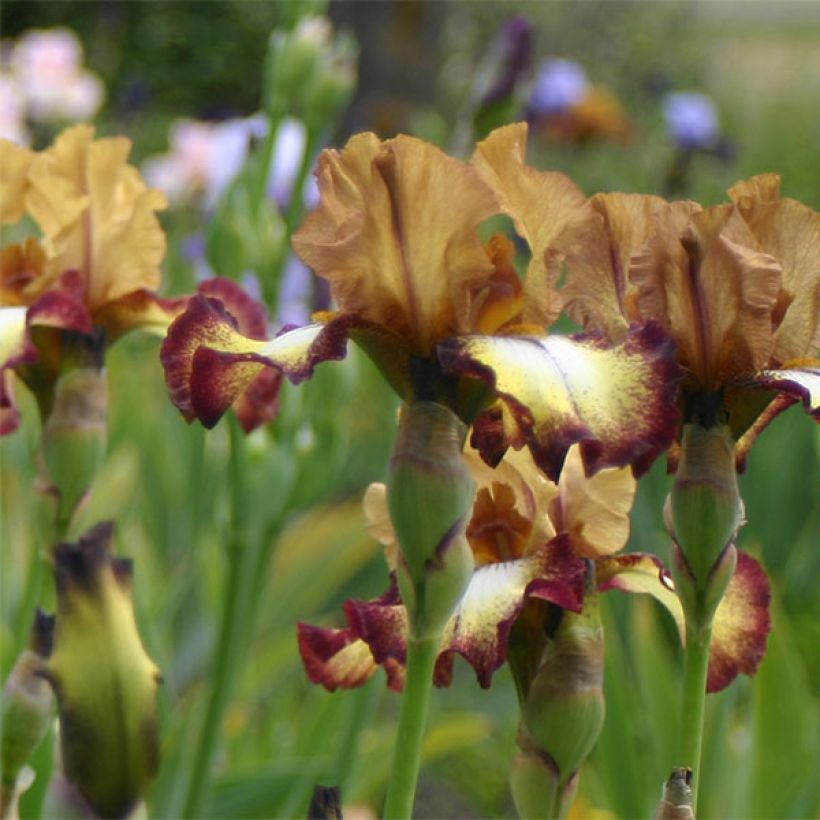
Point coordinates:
pixel 548 208
pixel 395 233
pixel 15 161
pixel 789 231
pixel 593 510
pixel 97 215
pixel 597 293
pixel 615 401
pixel 711 289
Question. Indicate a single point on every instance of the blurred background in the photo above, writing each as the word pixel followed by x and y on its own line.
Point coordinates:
pixel 677 98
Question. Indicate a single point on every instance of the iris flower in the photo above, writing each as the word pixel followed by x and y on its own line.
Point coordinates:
pixel 736 285
pixel 396 234
pixel 530 539
pixel 94 266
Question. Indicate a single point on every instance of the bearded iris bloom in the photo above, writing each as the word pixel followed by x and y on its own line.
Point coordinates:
pixel 94 267
pixel 531 538
pixel 736 285
pixel 396 234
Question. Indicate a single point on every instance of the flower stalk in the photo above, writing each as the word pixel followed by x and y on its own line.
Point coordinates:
pixel 705 512
pixel 430 493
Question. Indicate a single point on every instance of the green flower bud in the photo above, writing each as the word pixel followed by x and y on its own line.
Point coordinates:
pixel 429 495
pixel 536 788
pixel 563 712
pixel 27 709
pixel 74 437
pixel 705 510
pixel 333 84
pixel 104 680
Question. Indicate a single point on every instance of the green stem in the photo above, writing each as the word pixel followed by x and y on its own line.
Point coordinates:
pixel 231 628
pixel 421 659
pixel 696 668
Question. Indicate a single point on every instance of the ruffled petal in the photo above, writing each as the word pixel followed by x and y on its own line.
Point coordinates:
pixel 548 208
pixel 598 293
pixel 338 659
pixel 742 625
pixel 480 626
pixel 396 235
pixel 742 622
pixel 209 363
pixel 15 161
pixel 593 510
pixel 97 216
pixel 789 231
pixel 617 401
pixel 702 277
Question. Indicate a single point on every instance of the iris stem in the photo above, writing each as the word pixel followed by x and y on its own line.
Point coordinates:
pixel 696 668
pixel 230 642
pixel 421 659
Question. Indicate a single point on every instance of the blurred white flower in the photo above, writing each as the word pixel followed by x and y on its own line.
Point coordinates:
pixel 691 120
pixel 12 111
pixel 47 63
pixel 203 160
pixel 559 84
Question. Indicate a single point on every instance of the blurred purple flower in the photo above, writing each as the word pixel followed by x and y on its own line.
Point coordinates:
pixel 691 120
pixel 559 84
pixel 291 142
pixel 514 50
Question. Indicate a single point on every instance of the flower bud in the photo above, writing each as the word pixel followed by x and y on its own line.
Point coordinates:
pixel 429 494
pixel 27 709
pixel 104 680
pixel 563 711
pixel 705 510
pixel 74 436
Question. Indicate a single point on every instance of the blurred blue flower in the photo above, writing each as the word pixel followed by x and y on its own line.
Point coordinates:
pixel 691 120
pixel 559 84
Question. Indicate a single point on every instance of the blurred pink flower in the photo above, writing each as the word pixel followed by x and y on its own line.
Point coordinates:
pixel 12 111
pixel 47 64
pixel 203 160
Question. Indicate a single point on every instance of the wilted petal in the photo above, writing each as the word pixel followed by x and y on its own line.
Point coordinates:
pixel 549 210
pixel 593 510
pixel 742 625
pixel 480 626
pixel 396 235
pixel 617 401
pixel 15 161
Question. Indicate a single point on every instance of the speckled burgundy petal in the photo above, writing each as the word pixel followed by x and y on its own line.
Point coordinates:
pixel 617 401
